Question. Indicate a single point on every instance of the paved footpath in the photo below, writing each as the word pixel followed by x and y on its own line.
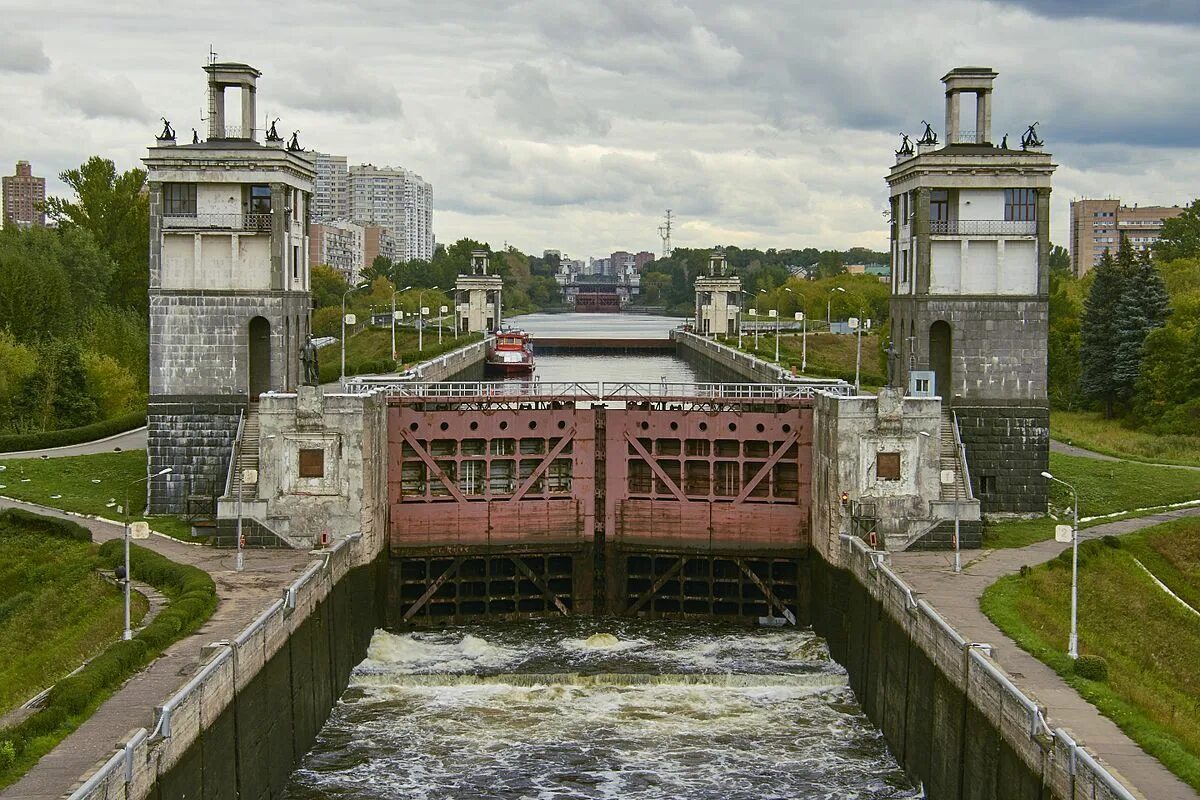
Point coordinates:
pixel 1071 450
pixel 241 598
pixel 129 440
pixel 956 597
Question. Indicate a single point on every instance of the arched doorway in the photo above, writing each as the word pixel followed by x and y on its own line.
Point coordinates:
pixel 940 348
pixel 260 357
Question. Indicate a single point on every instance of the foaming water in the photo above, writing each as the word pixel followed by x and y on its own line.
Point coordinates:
pixel 599 709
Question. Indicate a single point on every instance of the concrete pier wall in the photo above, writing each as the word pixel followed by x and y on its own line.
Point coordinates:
pixel 237 729
pixel 949 714
pixel 743 365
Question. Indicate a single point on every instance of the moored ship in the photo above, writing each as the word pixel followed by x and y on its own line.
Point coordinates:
pixel 511 353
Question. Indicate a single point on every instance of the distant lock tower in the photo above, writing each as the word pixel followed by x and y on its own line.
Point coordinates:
pixel 718 299
pixel 970 246
pixel 229 287
pixel 479 297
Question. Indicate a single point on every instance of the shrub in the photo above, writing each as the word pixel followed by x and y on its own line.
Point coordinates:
pixel 19 520
pixel 1111 541
pixel 1093 668
pixel 8 754
pixel 1025 571
pixel 86 433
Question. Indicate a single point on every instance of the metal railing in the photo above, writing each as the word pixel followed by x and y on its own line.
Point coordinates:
pixel 233 132
pixel 982 227
pixel 962 455
pixel 964 137
pixel 235 453
pixel 255 221
pixel 576 390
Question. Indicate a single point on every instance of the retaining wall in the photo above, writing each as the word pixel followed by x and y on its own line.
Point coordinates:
pixel 239 726
pixel 741 364
pixel 950 715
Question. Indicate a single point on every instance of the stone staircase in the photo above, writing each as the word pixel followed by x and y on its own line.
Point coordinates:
pixel 949 457
pixel 955 494
pixel 242 498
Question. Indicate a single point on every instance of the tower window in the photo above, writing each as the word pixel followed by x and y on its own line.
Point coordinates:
pixel 1020 205
pixel 179 199
pixel 939 205
pixel 260 199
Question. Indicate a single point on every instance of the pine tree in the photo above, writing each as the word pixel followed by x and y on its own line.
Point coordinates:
pixel 1144 306
pixel 1099 337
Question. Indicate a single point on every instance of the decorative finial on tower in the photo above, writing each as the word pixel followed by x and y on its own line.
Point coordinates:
pixel 272 134
pixel 906 146
pixel 168 133
pixel 294 143
pixel 1030 139
pixel 195 137
pixel 929 137
pixel 1004 142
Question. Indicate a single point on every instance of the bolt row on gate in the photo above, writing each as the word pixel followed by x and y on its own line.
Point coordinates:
pixel 549 505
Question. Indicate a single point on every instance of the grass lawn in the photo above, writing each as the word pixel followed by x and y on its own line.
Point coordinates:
pixel 1150 641
pixel 55 611
pixel 830 355
pixel 1105 487
pixel 92 484
pixel 1091 431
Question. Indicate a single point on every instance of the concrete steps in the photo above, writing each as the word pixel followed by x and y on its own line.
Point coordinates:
pixel 247 458
pixel 949 462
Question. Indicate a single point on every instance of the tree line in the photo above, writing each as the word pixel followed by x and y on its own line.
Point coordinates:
pixel 73 305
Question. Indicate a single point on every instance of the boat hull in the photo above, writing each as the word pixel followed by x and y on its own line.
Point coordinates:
pixel 508 367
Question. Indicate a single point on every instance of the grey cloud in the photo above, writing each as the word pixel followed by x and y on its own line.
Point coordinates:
pixel 523 96
pixel 341 85
pixel 19 53
pixel 1164 11
pixel 98 97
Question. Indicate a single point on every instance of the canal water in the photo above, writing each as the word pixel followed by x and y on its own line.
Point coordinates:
pixel 599 708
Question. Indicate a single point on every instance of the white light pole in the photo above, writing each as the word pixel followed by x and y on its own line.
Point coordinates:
pixel 802 318
pixel 421 318
pixel 441 315
pixel 1073 641
pixel 774 312
pixel 398 291
pixel 128 634
pixel 344 295
pixel 862 322
pixel 829 306
pixel 754 313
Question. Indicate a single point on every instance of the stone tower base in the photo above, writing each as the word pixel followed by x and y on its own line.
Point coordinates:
pixel 194 436
pixel 1008 448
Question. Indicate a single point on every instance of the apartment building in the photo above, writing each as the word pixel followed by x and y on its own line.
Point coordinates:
pixel 331 196
pixel 23 194
pixel 398 200
pixel 1097 225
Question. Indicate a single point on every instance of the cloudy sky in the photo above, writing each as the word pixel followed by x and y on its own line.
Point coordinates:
pixel 573 124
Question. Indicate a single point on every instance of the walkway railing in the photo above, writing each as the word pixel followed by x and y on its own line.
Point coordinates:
pixel 629 391
pixel 969 666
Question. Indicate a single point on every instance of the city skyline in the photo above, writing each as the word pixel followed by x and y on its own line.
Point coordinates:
pixel 757 128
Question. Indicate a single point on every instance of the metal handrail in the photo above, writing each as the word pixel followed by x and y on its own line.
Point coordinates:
pixel 962 455
pixel 236 454
pixel 631 390
pixel 249 221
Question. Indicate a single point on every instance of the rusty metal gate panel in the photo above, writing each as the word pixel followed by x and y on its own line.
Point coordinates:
pixel 726 481
pixel 461 477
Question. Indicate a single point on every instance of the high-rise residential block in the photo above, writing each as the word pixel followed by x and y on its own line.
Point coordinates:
pixel 229 288
pixel 399 201
pixel 23 194
pixel 1098 225
pixel 331 192
pixel 970 241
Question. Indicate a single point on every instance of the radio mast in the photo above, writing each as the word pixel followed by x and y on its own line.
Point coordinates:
pixel 664 231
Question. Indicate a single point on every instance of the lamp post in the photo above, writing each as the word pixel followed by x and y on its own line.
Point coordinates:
pixel 829 306
pixel 754 313
pixel 345 294
pixel 398 291
pixel 1073 641
pixel 802 318
pixel 863 322
pixel 421 318
pixel 128 634
pixel 441 315
pixel 774 312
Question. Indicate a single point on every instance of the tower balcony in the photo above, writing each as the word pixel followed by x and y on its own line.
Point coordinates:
pixel 982 227
pixel 258 222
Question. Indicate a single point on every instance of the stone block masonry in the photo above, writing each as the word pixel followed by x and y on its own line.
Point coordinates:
pixel 952 718
pixel 1008 448
pixel 194 436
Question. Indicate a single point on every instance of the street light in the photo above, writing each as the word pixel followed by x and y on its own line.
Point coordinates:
pixel 861 322
pixel 778 320
pixel 1073 641
pixel 802 318
pixel 344 295
pixel 400 291
pixel 421 318
pixel 441 315
pixel 128 634
pixel 829 306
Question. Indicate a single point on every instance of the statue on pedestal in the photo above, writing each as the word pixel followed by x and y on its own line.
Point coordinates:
pixel 308 358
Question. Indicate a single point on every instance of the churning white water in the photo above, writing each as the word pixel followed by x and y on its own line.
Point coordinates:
pixel 599 709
